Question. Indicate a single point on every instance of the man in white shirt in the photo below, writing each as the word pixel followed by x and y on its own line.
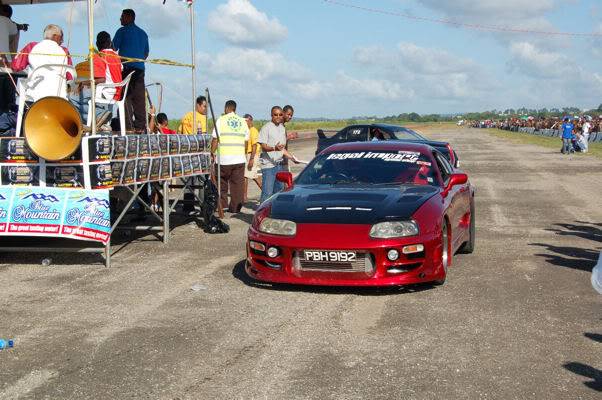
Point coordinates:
pixel 584 144
pixel 50 81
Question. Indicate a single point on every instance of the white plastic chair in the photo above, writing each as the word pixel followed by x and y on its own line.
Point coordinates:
pixel 25 86
pixel 125 83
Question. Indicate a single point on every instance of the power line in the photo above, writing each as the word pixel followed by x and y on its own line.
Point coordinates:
pixel 466 25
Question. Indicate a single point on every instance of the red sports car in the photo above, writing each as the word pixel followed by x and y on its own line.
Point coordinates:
pixel 364 214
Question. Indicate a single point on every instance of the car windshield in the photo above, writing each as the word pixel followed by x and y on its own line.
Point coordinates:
pixel 405 133
pixel 369 168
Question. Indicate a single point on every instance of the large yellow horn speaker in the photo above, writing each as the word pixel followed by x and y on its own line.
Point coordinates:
pixel 53 128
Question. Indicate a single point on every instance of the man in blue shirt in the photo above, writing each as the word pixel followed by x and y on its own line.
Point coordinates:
pixel 567 136
pixel 132 41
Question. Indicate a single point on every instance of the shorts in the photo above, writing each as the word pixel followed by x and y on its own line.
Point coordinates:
pixel 253 173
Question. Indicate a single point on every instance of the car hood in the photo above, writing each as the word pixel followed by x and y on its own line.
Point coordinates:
pixel 328 204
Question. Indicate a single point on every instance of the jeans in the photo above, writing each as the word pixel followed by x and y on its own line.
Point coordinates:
pixel 269 184
pixel 80 101
pixel 584 142
pixel 567 146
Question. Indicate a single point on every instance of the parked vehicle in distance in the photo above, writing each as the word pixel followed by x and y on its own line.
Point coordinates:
pixel 367 132
pixel 364 214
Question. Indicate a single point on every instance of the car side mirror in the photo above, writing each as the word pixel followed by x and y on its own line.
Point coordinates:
pixel 286 178
pixel 454 180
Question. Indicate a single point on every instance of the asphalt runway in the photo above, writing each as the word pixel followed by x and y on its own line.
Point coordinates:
pixel 517 319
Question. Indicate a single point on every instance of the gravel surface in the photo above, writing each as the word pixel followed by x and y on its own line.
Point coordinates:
pixel 517 319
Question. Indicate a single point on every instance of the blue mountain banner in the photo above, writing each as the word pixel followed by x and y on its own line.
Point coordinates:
pixel 55 212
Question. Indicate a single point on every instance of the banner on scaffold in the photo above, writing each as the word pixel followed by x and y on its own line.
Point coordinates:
pixel 53 212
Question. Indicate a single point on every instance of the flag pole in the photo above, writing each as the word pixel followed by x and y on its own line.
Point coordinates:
pixel 92 109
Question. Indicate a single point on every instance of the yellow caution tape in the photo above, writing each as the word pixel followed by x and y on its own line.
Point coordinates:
pixel 157 61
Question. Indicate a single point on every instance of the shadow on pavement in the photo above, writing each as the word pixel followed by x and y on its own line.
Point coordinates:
pixel 239 273
pixel 246 218
pixel 585 230
pixel 583 259
pixel 569 257
pixel 28 255
pixel 589 372
pixel 596 337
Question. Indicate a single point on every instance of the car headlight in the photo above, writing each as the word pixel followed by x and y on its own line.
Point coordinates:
pixel 278 227
pixel 394 229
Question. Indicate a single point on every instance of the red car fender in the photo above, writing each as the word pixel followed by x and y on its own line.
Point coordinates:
pixel 430 217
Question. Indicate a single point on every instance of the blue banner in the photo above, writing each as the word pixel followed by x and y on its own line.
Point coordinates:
pixel 55 212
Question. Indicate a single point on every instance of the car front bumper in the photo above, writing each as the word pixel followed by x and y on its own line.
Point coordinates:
pixel 414 268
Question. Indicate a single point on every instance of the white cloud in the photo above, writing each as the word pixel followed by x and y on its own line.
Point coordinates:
pixel 429 61
pixel 492 9
pixel 427 72
pixel 239 23
pixel 367 88
pixel 251 64
pixel 552 78
pixel 507 14
pixel 311 90
pixel 157 19
pixel 537 63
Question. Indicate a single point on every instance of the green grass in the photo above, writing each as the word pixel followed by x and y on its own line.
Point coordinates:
pixel 296 125
pixel 595 149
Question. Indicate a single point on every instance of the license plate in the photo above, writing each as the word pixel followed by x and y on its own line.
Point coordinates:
pixel 329 255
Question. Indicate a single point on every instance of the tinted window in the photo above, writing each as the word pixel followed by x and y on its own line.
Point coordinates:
pixel 357 134
pixel 369 167
pixel 405 133
pixel 380 134
pixel 341 135
pixel 444 167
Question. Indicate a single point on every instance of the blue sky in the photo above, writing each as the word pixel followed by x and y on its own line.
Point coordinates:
pixel 333 61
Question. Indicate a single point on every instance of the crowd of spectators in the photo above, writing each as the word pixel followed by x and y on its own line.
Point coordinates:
pixel 574 131
pixel 538 123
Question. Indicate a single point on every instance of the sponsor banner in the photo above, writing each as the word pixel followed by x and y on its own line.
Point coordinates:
pixel 55 212
pixel 5 196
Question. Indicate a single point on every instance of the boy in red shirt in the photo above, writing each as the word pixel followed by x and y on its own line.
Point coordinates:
pixel 107 67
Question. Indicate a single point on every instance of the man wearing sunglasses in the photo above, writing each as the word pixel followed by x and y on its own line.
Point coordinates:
pixel 272 139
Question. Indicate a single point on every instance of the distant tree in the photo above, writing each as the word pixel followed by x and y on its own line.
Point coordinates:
pixel 414 117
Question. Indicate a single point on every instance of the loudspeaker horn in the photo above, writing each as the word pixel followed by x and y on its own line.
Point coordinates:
pixel 53 128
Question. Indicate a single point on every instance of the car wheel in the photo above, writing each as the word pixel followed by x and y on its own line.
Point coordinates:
pixel 468 246
pixel 445 253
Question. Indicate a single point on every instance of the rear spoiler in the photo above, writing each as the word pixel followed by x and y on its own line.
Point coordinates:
pixel 322 133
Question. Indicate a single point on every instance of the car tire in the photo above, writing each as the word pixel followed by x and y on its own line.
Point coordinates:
pixel 445 253
pixel 468 246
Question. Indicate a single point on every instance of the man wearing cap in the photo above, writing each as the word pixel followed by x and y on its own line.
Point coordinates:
pixel 253 151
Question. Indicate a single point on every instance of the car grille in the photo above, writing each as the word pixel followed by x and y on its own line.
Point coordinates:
pixel 363 264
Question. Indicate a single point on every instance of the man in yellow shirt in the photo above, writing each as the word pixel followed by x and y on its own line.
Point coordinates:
pixel 253 151
pixel 201 118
